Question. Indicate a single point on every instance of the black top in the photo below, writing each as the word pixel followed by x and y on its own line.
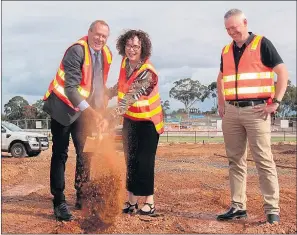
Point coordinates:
pixel 269 54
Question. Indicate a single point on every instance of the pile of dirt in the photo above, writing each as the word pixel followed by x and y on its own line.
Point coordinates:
pixel 67 228
pixel 101 202
pixel 103 195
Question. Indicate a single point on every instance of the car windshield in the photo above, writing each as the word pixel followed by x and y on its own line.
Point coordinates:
pixel 11 126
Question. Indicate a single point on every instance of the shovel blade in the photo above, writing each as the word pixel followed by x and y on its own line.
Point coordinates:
pixel 92 144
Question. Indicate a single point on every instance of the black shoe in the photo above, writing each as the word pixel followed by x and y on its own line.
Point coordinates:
pixel 78 204
pixel 233 213
pixel 150 212
pixel 62 212
pixel 129 208
pixel 273 218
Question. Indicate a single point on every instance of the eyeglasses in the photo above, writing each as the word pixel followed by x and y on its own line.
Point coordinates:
pixel 134 47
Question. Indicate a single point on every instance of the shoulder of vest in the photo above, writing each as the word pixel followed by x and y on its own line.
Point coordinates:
pixel 82 41
pixel 255 42
pixel 123 63
pixel 148 66
pixel 226 48
pixel 107 49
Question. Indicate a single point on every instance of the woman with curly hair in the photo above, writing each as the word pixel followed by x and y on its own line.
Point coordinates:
pixel 139 103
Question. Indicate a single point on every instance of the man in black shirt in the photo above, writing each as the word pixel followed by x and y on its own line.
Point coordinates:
pixel 246 98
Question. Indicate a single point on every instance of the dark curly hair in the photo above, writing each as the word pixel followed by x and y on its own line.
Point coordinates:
pixel 146 45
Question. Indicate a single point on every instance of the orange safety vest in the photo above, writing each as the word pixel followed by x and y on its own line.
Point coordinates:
pixel 146 107
pixel 84 89
pixel 253 80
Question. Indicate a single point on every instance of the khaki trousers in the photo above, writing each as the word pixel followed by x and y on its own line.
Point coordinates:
pixel 239 126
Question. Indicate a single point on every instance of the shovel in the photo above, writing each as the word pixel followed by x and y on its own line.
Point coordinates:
pixel 93 143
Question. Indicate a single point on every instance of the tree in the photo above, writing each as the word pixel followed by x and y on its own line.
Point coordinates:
pixel 165 106
pixel 188 92
pixel 30 112
pixel 14 109
pixel 3 117
pixel 40 113
pixel 179 111
pixel 212 92
pixel 289 102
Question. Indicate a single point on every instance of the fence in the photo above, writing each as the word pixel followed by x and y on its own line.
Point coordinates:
pixel 213 123
pixel 35 124
pixel 186 130
pixel 217 136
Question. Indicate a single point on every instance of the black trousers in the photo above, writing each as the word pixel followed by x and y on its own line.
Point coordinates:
pixel 60 137
pixel 140 141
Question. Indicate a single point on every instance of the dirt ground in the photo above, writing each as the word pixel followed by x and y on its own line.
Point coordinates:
pixel 191 188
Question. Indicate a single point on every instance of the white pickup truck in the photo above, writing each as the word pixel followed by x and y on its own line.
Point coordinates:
pixel 21 143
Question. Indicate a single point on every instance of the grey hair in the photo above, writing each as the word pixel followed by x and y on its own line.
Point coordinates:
pixel 234 12
pixel 98 21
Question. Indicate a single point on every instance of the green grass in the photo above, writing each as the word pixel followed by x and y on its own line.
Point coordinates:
pixel 191 139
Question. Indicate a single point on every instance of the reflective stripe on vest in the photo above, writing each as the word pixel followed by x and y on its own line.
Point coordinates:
pixel 249 90
pixel 61 74
pixel 159 126
pixel 107 53
pixel 141 103
pixel 61 90
pixel 86 49
pixel 47 94
pixel 246 76
pixel 145 114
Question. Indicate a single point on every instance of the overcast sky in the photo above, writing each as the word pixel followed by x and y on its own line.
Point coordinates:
pixel 187 38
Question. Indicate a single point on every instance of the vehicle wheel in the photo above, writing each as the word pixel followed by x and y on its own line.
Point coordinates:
pixel 34 154
pixel 18 150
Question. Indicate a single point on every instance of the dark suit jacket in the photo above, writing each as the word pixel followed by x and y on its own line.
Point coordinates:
pixel 57 109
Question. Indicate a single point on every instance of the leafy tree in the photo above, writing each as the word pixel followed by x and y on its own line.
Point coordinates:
pixel 289 101
pixel 188 92
pixel 30 112
pixel 40 113
pixel 3 117
pixel 179 111
pixel 212 93
pixel 212 88
pixel 14 109
pixel 165 106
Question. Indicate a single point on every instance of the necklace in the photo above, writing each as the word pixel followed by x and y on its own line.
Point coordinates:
pixel 132 68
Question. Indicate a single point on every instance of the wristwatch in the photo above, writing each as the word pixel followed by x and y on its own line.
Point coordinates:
pixel 274 100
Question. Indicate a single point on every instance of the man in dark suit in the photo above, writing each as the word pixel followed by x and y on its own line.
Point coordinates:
pixel 74 100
